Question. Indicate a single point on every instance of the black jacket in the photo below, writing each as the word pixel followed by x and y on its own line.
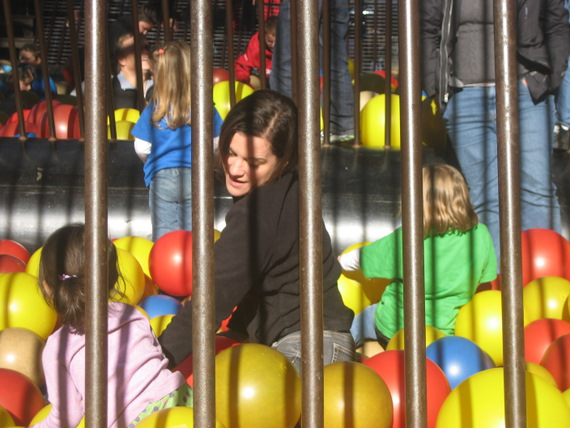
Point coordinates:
pixel 543 45
pixel 257 269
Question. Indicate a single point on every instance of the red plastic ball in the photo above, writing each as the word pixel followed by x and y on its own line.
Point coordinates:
pixel 170 263
pixel 38 111
pixel 12 129
pixel 539 335
pixel 13 248
pixel 390 366
pixel 544 253
pixel 219 75
pixel 10 263
pixel 20 396
pixel 557 361
pixel 66 120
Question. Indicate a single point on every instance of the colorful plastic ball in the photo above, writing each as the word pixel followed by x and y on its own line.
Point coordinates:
pixel 544 253
pixel 256 384
pixel 6 419
pixel 15 249
pixel 10 263
pixel 546 297
pixel 37 111
pixel 221 95
pixel 540 371
pixel 566 395
pixel 479 402
pixel 20 396
pixel 481 321
pixel 159 323
pixel 22 304
pixel 131 281
pixel 186 367
pixel 557 361
pixel 459 358
pixel 160 304
pixel 170 263
pixel 390 365
pixel 539 335
pixel 12 129
pixel 123 130
pixel 21 350
pixel 355 396
pixel 138 247
pixel 126 114
pixel 66 120
pixel 33 265
pixel 150 288
pixel 366 96
pixel 373 122
pixel 44 412
pixel 398 340
pixel 220 75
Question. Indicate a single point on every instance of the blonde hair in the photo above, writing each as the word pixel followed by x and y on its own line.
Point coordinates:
pixel 172 84
pixel 447 206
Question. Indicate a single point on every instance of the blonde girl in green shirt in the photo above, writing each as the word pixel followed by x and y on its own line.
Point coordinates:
pixel 458 256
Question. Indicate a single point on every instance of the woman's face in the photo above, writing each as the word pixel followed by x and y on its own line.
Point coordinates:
pixel 250 164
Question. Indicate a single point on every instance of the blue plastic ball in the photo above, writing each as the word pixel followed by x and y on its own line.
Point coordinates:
pixel 160 304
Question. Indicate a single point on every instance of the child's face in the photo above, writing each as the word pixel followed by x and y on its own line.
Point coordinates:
pixel 269 41
pixel 27 57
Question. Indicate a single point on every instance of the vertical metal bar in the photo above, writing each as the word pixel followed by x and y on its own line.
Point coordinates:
pixel 357 68
pixel 294 51
pixel 326 70
pixel 509 217
pixel 14 61
pixel 44 63
pixel 96 233
pixel 387 75
pixel 261 21
pixel 203 315
pixel 231 57
pixel 76 65
pixel 412 217
pixel 310 206
pixel 138 63
pixel 166 21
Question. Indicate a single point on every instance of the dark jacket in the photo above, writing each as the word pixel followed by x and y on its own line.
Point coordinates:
pixel 257 269
pixel 543 45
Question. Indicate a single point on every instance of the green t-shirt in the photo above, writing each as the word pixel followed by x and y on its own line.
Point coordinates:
pixel 454 265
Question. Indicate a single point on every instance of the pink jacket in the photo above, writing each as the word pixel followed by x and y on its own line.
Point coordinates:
pixel 137 373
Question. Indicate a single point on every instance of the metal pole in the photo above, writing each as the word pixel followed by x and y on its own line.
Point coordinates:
pixel 412 217
pixel 509 211
pixel 203 313
pixel 310 206
pixel 96 234
pixel 326 16
pixel 357 68
pixel 388 76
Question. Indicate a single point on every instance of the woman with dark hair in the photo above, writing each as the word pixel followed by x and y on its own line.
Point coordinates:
pixel 257 254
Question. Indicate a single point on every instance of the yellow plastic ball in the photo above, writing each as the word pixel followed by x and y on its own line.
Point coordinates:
pixel 33 265
pixel 126 114
pixel 160 323
pixel 174 417
pixel 398 340
pixel 42 414
pixel 256 384
pixel 373 122
pixel 6 419
pixel 481 321
pixel 366 96
pixel 541 372
pixel 221 95
pixel 355 396
pixel 124 129
pixel 479 401
pixel 22 304
pixel 566 395
pixel 132 279
pixel 546 297
pixel 138 247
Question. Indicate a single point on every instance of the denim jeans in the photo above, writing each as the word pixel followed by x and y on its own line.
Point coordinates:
pixel 341 95
pixel 563 101
pixel 338 346
pixel 362 328
pixel 471 122
pixel 170 201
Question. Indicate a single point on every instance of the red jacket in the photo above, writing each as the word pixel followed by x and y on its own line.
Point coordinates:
pixel 250 60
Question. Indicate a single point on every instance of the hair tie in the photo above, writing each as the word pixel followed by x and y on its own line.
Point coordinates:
pixel 160 51
pixel 64 276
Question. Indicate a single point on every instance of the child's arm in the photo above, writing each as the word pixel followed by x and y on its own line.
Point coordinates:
pixel 142 148
pixel 350 261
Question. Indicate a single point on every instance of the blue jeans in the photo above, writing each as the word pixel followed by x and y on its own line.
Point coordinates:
pixel 471 122
pixel 563 101
pixel 170 201
pixel 363 325
pixel 341 95
pixel 338 346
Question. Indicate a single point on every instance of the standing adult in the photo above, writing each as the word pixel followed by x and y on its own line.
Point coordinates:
pixel 257 263
pixel 458 69
pixel 341 95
